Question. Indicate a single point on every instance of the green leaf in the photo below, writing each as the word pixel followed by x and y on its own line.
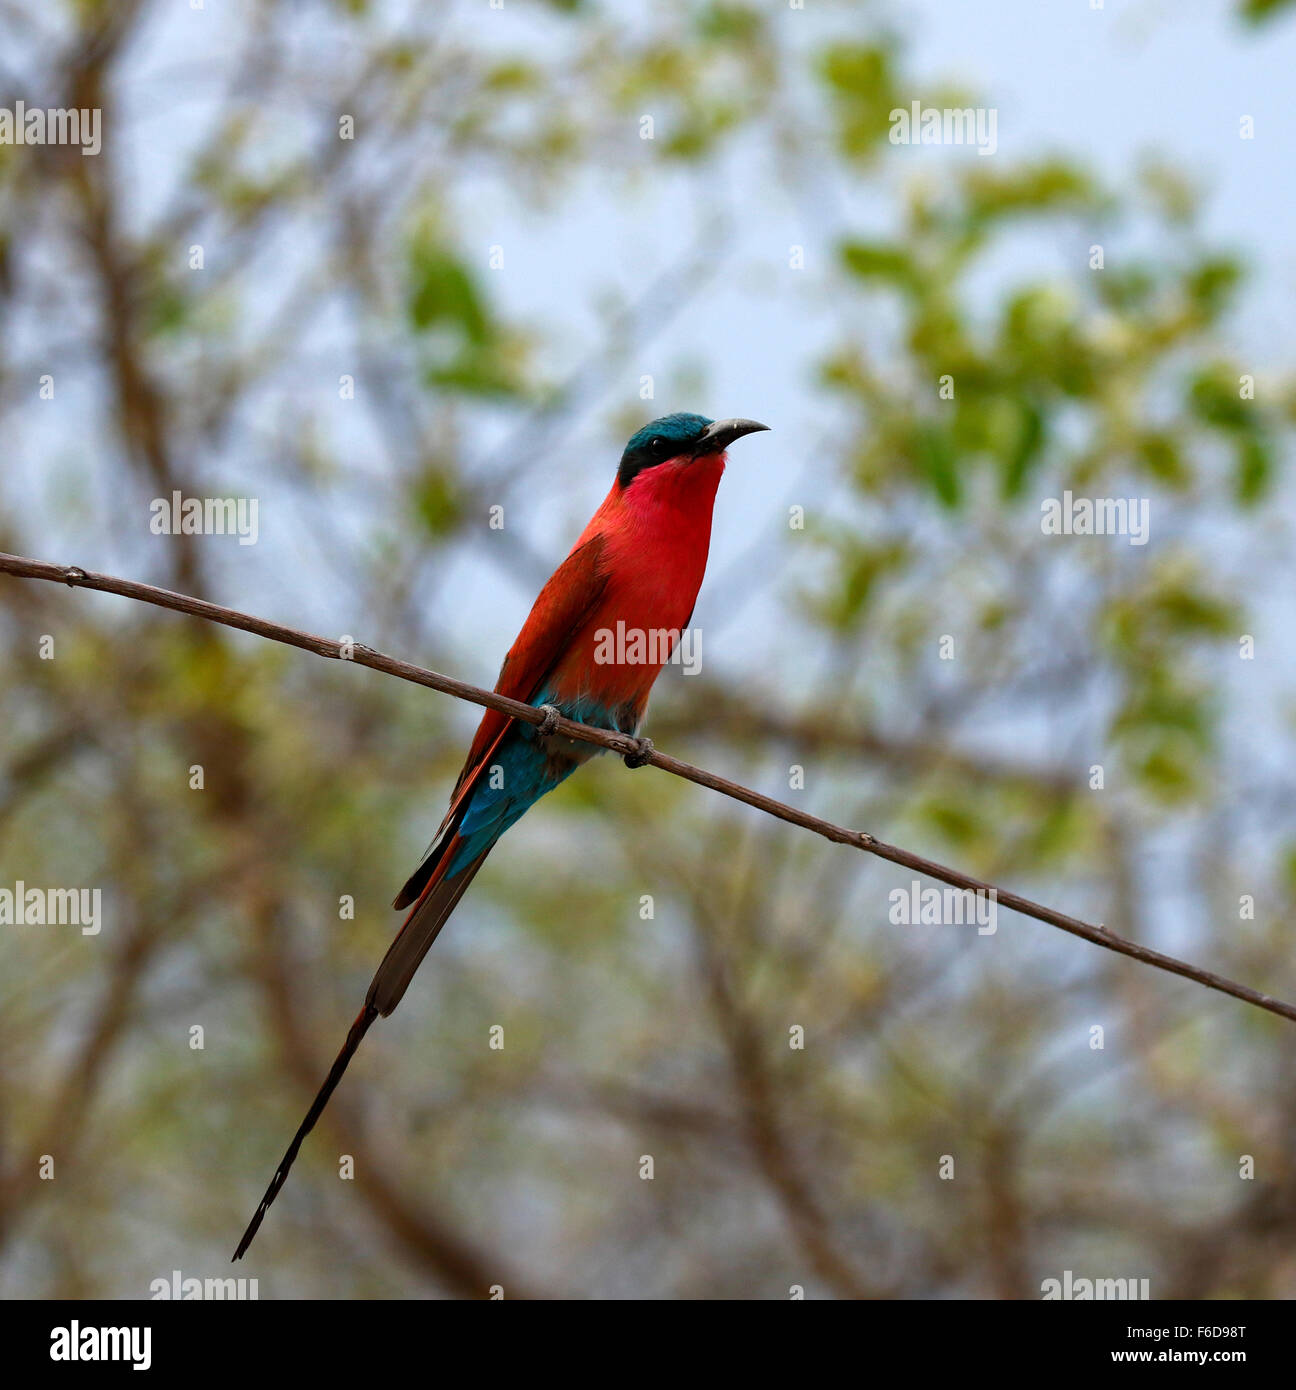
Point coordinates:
pixel 1253 470
pixel 862 91
pixel 437 502
pixel 1214 397
pixel 953 819
pixel 876 260
pixel 729 22
pixel 934 456
pixel 1161 457
pixel 1046 186
pixel 1211 283
pixel 442 292
pixel 1025 449
pixel 1262 11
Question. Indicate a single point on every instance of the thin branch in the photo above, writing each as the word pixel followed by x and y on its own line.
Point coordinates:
pixel 625 744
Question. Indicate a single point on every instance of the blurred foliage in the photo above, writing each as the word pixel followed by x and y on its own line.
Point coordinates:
pixel 1262 11
pixel 1086 384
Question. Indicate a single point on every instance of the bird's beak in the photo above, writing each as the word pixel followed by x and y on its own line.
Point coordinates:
pixel 719 436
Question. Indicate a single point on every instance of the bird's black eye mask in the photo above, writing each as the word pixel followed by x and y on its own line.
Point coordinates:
pixel 658 441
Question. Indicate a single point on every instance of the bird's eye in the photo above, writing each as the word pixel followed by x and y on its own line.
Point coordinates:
pixel 657 445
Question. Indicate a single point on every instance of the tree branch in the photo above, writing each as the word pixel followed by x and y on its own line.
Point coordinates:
pixel 24 568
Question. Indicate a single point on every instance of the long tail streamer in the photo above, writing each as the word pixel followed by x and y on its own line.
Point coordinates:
pixel 353 1039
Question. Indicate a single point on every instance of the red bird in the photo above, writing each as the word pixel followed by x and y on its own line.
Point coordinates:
pixel 635 571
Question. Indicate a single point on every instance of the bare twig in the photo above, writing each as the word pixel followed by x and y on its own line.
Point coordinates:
pixel 25 568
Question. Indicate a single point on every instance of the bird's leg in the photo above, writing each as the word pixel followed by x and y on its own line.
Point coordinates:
pixel 642 754
pixel 552 714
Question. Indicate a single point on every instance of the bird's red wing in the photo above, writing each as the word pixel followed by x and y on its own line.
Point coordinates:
pixel 564 604
pixel 562 607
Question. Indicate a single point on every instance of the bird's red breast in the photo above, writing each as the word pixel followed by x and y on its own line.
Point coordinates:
pixel 655 536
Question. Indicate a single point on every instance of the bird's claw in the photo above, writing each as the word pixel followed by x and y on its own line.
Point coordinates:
pixel 642 754
pixel 552 714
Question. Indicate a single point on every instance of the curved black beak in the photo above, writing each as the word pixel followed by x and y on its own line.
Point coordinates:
pixel 718 436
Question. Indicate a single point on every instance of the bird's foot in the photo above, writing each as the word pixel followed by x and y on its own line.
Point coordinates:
pixel 552 714
pixel 642 754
